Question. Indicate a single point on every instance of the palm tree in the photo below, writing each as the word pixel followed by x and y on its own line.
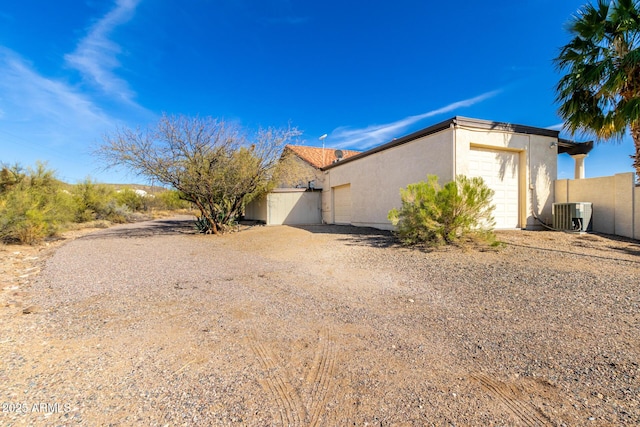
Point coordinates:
pixel 600 93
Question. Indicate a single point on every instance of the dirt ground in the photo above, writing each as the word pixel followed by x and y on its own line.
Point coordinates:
pixel 152 324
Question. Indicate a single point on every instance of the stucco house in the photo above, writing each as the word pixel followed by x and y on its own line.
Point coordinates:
pixel 309 161
pixel 518 162
pixel 298 199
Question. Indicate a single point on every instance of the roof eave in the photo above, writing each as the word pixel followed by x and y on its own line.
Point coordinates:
pixel 504 126
pixel 573 148
pixel 395 142
pixel 456 121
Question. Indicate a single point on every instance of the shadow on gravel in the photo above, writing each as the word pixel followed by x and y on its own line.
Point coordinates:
pixel 628 251
pixel 633 247
pixel 357 236
pixel 158 227
pixel 568 252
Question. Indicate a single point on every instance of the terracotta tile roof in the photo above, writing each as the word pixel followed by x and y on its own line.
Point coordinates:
pixel 314 155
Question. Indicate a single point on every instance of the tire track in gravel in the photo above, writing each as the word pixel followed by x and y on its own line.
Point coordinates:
pixel 289 403
pixel 319 381
pixel 513 399
pixel 321 376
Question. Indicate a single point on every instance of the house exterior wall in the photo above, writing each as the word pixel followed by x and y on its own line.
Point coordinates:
pixel 636 213
pixel 294 208
pixel 537 165
pixel 376 179
pixel 256 210
pixel 300 175
pixel 288 206
pixel 615 199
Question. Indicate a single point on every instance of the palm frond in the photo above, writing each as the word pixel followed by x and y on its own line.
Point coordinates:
pixel 600 89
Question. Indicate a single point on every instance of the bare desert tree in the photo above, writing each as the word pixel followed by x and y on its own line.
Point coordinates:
pixel 214 164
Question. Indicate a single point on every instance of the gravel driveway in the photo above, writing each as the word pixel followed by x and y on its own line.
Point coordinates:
pixel 151 324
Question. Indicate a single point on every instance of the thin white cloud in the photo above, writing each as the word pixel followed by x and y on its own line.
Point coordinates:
pixel 96 56
pixel 559 126
pixel 47 119
pixel 373 135
pixel 28 97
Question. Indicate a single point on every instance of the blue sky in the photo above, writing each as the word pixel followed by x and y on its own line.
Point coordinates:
pixel 364 72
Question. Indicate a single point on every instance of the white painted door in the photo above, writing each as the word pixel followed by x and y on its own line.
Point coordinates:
pixel 499 169
pixel 342 204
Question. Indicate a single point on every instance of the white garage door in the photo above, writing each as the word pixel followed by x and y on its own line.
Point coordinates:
pixel 499 169
pixel 342 204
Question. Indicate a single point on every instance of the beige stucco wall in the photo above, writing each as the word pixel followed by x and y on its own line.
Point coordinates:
pixel 537 166
pixel 624 209
pixel 376 179
pixel 293 207
pixel 636 213
pixel 615 202
pixel 256 210
pixel 286 206
pixel 561 191
pixel 599 191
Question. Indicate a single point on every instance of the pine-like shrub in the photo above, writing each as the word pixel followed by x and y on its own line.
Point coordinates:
pixel 435 215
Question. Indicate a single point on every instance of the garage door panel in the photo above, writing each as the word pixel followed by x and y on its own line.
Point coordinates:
pixel 499 170
pixel 342 204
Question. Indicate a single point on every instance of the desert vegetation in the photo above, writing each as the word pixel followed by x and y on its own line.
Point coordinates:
pixel 434 215
pixel 34 204
pixel 216 165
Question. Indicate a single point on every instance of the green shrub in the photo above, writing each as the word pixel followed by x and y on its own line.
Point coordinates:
pixel 34 206
pixel 131 199
pixel 170 200
pixel 434 215
pixel 93 201
pixel 10 176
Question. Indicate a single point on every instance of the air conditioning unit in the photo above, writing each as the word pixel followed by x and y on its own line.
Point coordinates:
pixel 572 216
